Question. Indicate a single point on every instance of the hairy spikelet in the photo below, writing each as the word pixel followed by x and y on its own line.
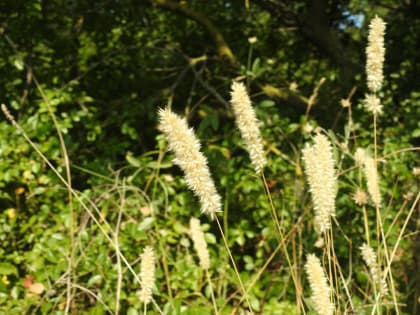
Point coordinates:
pixel 372 180
pixel 371 173
pixel 319 286
pixel 375 54
pixel 360 197
pixel 200 244
pixel 369 256
pixel 319 167
pixel 360 156
pixel 373 104
pixel 248 125
pixel 147 274
pixel 183 142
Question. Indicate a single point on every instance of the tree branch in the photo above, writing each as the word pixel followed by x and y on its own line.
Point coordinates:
pixel 285 96
pixel 315 25
pixel 222 47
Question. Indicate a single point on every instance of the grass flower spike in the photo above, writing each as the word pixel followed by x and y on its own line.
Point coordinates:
pixel 360 156
pixel 319 286
pixel 319 167
pixel 372 181
pixel 200 244
pixel 373 104
pixel 371 261
pixel 147 274
pixel 368 163
pixel 248 125
pixel 375 53
pixel 183 142
pixel 360 197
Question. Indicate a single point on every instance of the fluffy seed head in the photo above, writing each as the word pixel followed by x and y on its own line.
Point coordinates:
pixel 369 168
pixel 319 167
pixel 360 197
pixel 319 286
pixel 345 103
pixel 372 180
pixel 369 256
pixel 373 104
pixel 200 244
pixel 186 147
pixel 360 156
pixel 147 274
pixel 247 122
pixel 375 54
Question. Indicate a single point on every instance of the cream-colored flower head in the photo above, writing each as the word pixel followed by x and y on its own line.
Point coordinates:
pixel 369 256
pixel 247 122
pixel 319 286
pixel 360 197
pixel 372 180
pixel 186 147
pixel 360 156
pixel 252 40
pixel 147 275
pixel 345 103
pixel 200 244
pixel 319 167
pixel 373 104
pixel 375 54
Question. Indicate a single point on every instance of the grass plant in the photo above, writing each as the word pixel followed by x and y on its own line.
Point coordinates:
pixel 302 262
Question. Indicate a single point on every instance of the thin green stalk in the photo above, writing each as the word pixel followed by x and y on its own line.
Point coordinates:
pixel 331 276
pixel 117 245
pixel 213 298
pixel 407 220
pixel 248 65
pixel 70 289
pixel 365 221
pixel 337 269
pixel 242 287
pixel 379 221
pixel 166 272
pixel 282 239
pixel 267 262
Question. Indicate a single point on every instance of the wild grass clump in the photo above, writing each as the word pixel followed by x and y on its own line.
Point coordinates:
pixel 319 244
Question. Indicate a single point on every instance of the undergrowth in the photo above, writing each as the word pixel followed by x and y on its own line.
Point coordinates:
pixel 268 251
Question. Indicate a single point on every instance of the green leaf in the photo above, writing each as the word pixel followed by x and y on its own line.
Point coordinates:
pixel 210 238
pixel 132 160
pixel 19 64
pixel 132 311
pixel 159 165
pixel 95 280
pixel 7 269
pixel 146 223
